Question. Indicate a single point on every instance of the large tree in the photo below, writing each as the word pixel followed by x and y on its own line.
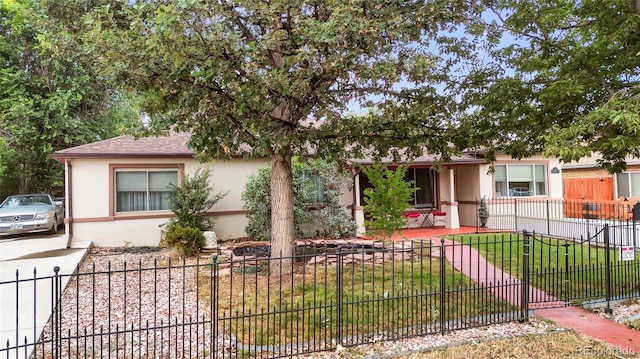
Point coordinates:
pixel 559 77
pixel 50 96
pixel 278 77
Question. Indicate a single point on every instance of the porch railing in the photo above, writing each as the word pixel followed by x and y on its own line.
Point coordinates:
pixel 566 218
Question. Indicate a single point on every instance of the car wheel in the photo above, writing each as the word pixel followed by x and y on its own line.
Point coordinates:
pixel 54 229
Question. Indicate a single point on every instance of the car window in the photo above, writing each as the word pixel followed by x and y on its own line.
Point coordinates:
pixel 11 202
pixel 41 200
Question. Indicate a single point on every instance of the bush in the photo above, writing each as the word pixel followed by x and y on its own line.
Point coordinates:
pixel 186 240
pixel 333 219
pixel 191 201
pixel 257 198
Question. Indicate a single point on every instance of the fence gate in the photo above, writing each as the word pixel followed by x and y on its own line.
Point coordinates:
pixel 563 272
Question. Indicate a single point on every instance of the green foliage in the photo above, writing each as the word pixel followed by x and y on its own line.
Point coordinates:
pixel 332 218
pixel 187 241
pixel 192 199
pixel 280 76
pixel 51 97
pixel 387 199
pixel 564 81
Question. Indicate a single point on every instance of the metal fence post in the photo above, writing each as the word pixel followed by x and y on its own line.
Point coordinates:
pixel 607 268
pixel 443 285
pixel 213 306
pixel 56 316
pixel 567 282
pixel 524 291
pixel 339 266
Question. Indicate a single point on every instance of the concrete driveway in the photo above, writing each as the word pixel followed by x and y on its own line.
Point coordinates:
pixel 26 290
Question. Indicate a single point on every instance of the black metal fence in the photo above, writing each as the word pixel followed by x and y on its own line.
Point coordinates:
pixel 330 295
pixel 579 271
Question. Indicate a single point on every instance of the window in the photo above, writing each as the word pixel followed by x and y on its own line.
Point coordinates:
pixel 318 186
pixel 520 180
pixel 423 179
pixel 143 190
pixel 628 184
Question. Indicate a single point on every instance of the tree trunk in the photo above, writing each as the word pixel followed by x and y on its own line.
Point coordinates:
pixel 22 180
pixel 282 226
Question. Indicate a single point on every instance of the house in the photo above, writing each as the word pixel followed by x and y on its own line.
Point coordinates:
pixel 454 192
pixel 585 180
pixel 609 195
pixel 116 189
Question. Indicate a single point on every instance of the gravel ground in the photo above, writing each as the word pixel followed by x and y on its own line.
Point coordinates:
pixel 626 313
pixel 106 299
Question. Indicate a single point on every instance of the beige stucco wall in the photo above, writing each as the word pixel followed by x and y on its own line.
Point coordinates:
pixel 469 185
pixel 554 180
pixel 468 191
pixel 92 220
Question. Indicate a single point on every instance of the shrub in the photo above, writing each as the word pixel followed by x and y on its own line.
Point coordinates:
pixel 187 241
pixel 191 201
pixel 257 198
pixel 332 218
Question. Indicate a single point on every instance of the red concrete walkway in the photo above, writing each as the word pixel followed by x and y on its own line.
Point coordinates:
pixel 469 262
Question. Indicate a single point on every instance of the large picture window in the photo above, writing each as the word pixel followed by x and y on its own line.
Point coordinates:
pixel 143 190
pixel 520 180
pixel 628 184
pixel 423 179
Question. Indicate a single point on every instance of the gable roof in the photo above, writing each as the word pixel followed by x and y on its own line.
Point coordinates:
pixel 173 145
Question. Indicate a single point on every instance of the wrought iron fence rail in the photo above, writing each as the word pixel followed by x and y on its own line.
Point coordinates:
pixel 349 296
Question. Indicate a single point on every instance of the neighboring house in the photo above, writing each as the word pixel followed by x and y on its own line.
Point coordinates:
pixel 588 184
pixel 585 180
pixel 117 190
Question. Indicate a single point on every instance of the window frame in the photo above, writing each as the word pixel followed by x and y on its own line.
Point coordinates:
pixel 432 176
pixel 534 180
pixel 159 167
pixel 319 188
pixel 630 187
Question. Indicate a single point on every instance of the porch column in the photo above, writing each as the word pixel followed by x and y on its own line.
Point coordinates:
pixel 452 219
pixel 358 209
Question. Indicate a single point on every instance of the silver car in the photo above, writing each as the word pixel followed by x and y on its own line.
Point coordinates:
pixel 30 213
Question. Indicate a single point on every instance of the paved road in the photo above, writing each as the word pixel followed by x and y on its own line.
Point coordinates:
pixel 25 302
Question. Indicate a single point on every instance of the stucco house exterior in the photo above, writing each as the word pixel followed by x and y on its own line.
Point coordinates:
pixel 116 189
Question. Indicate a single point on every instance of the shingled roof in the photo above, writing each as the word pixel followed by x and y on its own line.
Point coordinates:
pixel 173 145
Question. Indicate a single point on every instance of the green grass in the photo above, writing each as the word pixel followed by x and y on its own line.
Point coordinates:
pixel 563 268
pixel 373 298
